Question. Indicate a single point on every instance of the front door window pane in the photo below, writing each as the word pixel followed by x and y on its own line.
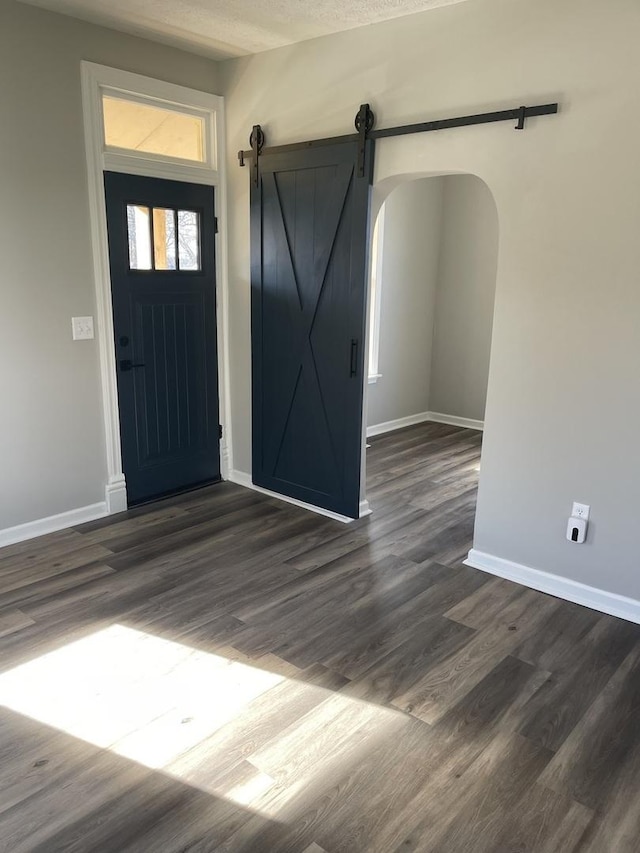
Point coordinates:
pixel 139 230
pixel 164 238
pixel 188 240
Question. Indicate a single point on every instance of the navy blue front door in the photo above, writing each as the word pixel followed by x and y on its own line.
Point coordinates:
pixel 162 258
pixel 309 220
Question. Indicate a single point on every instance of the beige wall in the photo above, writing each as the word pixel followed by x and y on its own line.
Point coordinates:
pixel 408 281
pixel 465 297
pixel 51 429
pixel 562 404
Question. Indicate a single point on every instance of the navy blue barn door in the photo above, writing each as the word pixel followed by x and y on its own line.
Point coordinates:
pixel 309 221
pixel 162 257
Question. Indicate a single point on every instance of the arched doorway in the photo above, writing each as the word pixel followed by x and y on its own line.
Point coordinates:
pixel 431 305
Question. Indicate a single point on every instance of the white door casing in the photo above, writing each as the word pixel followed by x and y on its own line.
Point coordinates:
pixel 100 79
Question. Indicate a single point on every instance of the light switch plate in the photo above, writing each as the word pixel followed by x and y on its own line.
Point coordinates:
pixel 82 328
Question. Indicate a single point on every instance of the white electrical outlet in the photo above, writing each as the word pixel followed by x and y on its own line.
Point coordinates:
pixel 82 328
pixel 580 511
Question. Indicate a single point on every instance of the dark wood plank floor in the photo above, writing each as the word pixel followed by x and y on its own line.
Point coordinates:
pixel 224 672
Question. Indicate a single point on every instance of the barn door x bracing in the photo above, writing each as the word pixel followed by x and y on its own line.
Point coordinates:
pixel 309 220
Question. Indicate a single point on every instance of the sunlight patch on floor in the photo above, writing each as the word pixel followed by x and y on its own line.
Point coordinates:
pixel 189 714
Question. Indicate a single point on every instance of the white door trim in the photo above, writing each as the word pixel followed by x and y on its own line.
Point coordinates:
pixel 95 79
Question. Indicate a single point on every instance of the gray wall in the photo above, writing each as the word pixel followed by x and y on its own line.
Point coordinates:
pixel 51 428
pixel 410 251
pixel 565 348
pixel 465 298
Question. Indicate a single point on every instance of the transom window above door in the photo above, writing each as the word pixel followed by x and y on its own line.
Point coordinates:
pixel 153 129
pixel 162 238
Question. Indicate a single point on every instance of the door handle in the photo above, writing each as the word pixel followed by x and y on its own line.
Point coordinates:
pixel 353 367
pixel 127 364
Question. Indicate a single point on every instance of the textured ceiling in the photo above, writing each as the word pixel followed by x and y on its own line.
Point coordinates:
pixel 224 28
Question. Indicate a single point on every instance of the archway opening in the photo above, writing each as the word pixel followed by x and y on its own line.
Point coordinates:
pixel 432 296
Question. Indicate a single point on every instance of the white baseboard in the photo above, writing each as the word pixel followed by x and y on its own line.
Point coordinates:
pixel 423 417
pixel 241 478
pixel 454 420
pixel 399 423
pixel 116 495
pixel 579 593
pixel 22 532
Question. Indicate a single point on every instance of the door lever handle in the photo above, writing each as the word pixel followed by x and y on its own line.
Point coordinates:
pixel 127 364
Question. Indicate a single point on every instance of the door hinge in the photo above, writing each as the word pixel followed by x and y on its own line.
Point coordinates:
pixel 219 430
pixel 215 224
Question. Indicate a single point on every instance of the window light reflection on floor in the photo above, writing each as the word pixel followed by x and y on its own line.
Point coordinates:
pixel 177 709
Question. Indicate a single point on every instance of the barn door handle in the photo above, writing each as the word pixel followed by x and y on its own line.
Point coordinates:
pixel 353 369
pixel 127 364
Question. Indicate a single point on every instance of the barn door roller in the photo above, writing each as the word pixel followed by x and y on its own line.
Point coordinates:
pixel 256 141
pixel 365 121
